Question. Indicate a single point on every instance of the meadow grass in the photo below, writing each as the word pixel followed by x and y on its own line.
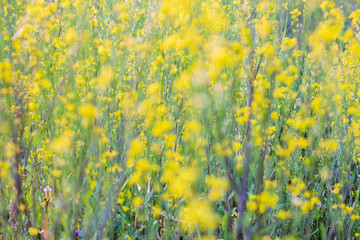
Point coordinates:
pixel 179 119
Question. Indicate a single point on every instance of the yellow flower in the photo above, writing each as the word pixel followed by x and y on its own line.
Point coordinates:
pixel 63 144
pixel 198 214
pixel 22 207
pixel 295 13
pixel 263 201
pixel 263 27
pixel 5 71
pixel 88 111
pixel 289 43
pixel 236 146
pixel 33 231
pixel 137 201
pixel 251 205
pixel 135 148
pixel 161 127
pixel 282 214
pixel 104 79
pixel 183 83
pixel 218 187
pixel 4 169
pixel 337 188
pixel 10 149
pixel 56 173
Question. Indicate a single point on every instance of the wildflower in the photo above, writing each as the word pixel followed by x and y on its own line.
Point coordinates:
pixel 218 187
pixel 295 14
pixel 319 205
pixel 282 214
pixel 5 71
pixel 289 43
pixel 135 148
pixel 161 127
pixel 48 194
pixel 88 111
pixel 63 143
pixel 104 79
pixel 10 149
pixel 137 201
pixel 56 173
pixel 198 213
pixel 33 231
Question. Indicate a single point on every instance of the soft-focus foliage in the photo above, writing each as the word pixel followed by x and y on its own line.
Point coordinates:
pixel 179 119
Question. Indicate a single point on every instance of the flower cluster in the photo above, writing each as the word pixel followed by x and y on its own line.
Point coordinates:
pixel 179 119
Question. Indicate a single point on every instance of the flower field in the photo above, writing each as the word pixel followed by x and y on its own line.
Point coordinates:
pixel 179 119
